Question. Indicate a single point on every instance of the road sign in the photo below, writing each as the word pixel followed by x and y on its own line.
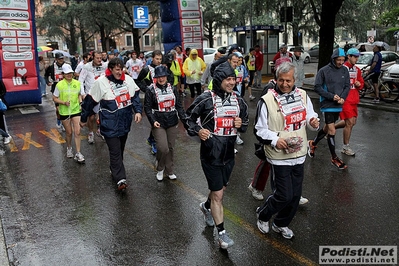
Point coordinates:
pixel 396 34
pixel 140 17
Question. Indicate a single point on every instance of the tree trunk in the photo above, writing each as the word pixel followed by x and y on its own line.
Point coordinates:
pixel 72 32
pixel 83 38
pixel 103 38
pixel 136 40
pixel 329 11
pixel 210 34
pixel 295 30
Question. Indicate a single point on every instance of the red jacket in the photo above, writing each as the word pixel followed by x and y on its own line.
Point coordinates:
pixel 278 55
pixel 258 60
pixel 355 74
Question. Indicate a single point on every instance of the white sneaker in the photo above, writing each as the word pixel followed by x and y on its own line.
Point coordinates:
pixel 262 225
pixel 160 175
pixel 62 128
pixel 172 177
pixel 7 140
pixel 255 193
pixel 69 152
pixel 79 157
pixel 235 151
pixel 239 141
pixel 207 215
pixel 285 231
pixel 303 201
pixel 90 138
pixel 224 240
pixel 348 151
pixel 251 97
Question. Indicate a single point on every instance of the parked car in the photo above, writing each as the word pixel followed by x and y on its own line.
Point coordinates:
pixel 392 73
pixel 388 59
pixel 305 55
pixel 314 50
pixel 209 54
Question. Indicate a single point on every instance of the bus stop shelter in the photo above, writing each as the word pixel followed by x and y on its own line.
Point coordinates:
pixel 266 36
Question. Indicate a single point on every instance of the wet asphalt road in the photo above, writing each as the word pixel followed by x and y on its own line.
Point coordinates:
pixel 57 212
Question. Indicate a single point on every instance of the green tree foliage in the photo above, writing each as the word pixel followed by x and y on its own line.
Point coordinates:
pixel 58 21
pixel 69 20
pixel 214 18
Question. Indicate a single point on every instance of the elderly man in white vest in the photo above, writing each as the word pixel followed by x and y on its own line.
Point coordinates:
pixel 283 114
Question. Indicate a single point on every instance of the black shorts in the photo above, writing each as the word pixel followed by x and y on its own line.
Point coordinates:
pixel 217 176
pixel 65 117
pixel 331 117
pixel 374 77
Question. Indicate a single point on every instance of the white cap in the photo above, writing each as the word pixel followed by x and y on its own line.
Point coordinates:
pixel 66 69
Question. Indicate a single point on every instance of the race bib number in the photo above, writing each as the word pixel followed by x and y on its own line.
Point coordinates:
pixel 225 122
pixel 122 97
pixel 123 100
pixel 167 104
pixel 295 117
pixel 58 77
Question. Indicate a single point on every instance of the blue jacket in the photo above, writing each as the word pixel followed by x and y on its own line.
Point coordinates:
pixel 114 122
pixel 330 81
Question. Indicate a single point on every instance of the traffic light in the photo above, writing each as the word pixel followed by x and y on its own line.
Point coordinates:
pixel 290 14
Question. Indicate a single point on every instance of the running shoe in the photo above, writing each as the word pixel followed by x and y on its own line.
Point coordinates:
pixel 285 231
pixel 262 225
pixel 172 177
pixel 90 138
pixel 122 185
pixel 303 201
pixel 224 240
pixel 154 148
pixel 207 215
pixel 239 141
pixel 257 194
pixel 7 140
pixel 338 163
pixel 69 152
pixel 160 175
pixel 348 151
pixel 311 148
pixel 251 97
pixel 79 158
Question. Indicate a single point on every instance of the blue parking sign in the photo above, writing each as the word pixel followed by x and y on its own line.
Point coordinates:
pixel 140 17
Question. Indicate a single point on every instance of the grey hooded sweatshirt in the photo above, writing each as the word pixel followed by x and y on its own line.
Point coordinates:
pixel 330 81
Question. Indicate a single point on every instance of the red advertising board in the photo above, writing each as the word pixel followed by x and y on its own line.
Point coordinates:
pixel 18 55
